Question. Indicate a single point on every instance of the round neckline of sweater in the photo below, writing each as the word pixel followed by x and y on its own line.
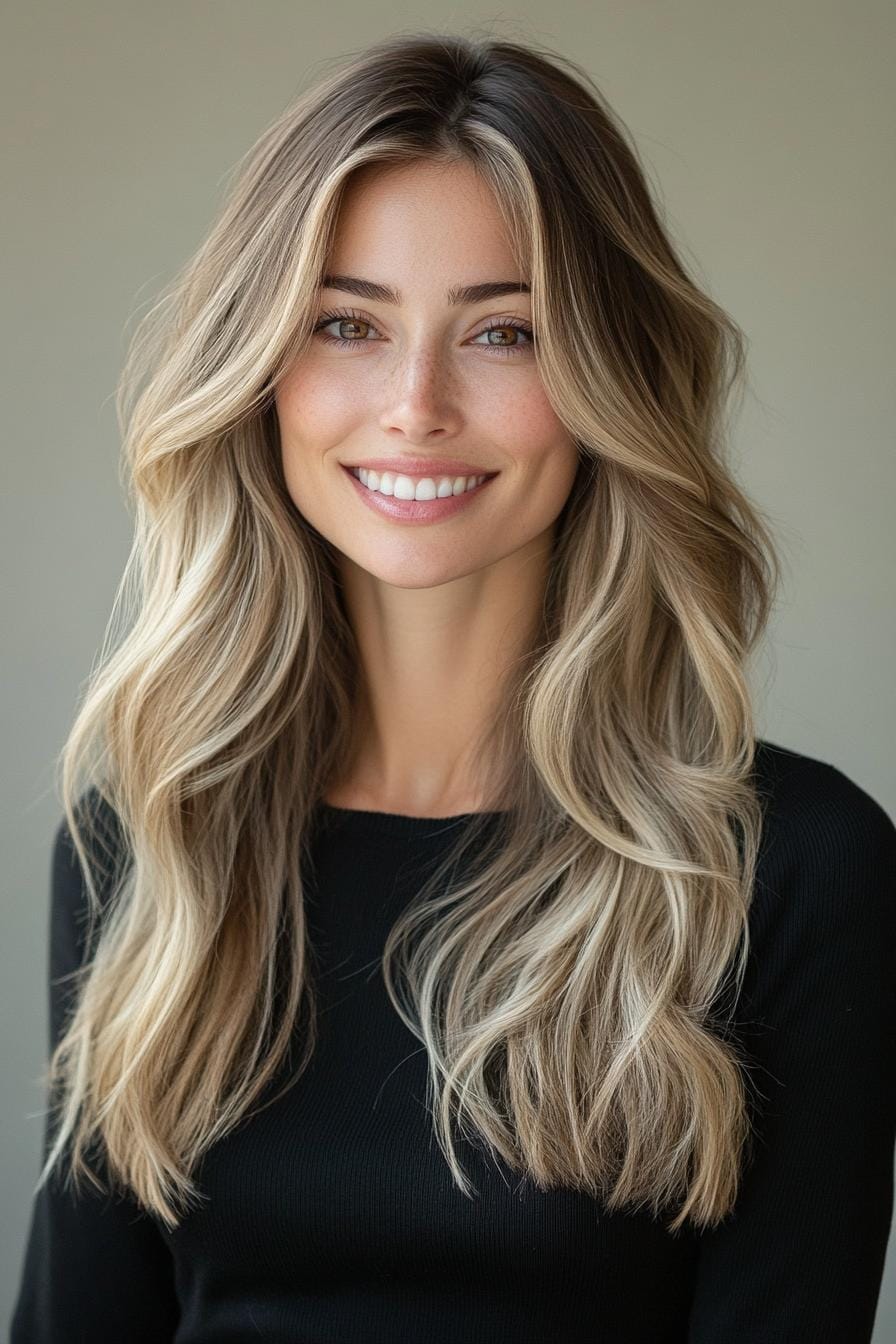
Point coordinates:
pixel 368 821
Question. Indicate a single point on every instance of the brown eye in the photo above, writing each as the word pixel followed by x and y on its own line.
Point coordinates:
pixel 344 320
pixel 507 344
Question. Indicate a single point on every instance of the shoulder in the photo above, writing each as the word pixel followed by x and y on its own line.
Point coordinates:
pixel 826 872
pixel 103 837
pixel 101 830
pixel 815 814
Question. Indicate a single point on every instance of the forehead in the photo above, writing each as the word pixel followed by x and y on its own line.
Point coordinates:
pixel 421 225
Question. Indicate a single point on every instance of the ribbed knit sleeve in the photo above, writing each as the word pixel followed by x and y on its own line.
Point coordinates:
pixel 96 1270
pixel 801 1259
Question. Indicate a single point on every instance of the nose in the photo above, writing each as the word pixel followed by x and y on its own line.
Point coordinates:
pixel 419 400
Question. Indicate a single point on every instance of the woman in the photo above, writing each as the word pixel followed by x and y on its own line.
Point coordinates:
pixel 438 669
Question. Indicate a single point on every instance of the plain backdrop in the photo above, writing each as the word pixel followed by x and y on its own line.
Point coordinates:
pixel 766 130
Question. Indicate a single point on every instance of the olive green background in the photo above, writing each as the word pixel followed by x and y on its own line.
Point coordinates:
pixel 766 130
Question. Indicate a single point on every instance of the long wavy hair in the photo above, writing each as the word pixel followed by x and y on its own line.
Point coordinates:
pixel 569 986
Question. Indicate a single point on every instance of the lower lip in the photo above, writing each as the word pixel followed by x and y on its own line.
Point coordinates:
pixel 416 510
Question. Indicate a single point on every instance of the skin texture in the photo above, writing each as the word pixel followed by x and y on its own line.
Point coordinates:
pixel 440 610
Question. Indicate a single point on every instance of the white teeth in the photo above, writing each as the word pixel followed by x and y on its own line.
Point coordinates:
pixel 404 487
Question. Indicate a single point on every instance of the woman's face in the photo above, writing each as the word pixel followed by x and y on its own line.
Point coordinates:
pixel 418 384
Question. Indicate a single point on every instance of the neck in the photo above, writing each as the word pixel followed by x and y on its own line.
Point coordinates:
pixel 434 665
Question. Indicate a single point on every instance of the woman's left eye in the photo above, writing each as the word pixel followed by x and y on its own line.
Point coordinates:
pixel 506 347
pixel 351 319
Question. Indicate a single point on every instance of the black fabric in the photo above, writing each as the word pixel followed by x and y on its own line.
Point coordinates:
pixel 331 1215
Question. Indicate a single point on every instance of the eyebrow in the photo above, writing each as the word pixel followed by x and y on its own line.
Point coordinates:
pixel 375 293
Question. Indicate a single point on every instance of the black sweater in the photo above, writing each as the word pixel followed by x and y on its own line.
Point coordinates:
pixel 332 1215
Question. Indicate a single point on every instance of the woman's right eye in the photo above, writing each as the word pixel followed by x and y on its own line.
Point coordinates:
pixel 345 320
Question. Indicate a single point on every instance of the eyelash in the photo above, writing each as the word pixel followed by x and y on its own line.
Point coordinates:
pixel 352 316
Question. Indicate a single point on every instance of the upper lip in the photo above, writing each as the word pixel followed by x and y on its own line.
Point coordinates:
pixel 422 466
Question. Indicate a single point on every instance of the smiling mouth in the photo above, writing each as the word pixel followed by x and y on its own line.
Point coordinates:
pixel 428 509
pixel 404 486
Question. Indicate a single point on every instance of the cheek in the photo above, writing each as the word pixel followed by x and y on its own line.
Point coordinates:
pixel 519 409
pixel 315 405
pixel 534 437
